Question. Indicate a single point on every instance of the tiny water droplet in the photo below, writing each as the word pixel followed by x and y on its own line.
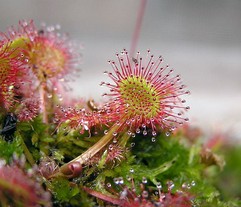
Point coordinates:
pixel 132 170
pixel 49 95
pixel 170 185
pixel 108 185
pixel 184 185
pixel 116 181
pixel 121 180
pixel 153 139
pixel 138 130
pixel 193 183
pixel 168 134
pixel 128 178
pixel 110 147
pixel 143 126
pixel 159 185
pixel 173 128
pixel 106 132
pixel 129 133
pixel 154 133
pixel 115 134
pixel 133 144
pixel 144 132
pixel 144 180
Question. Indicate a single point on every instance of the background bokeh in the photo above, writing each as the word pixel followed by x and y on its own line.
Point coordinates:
pixel 201 40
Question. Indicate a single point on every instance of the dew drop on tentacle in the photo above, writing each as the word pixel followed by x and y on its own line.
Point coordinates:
pixel 121 180
pixel 170 185
pixel 159 185
pixel 153 139
pixel 116 181
pixel 138 131
pixel 193 183
pixel 184 185
pixel 167 134
pixel 106 131
pixel 144 180
pixel 132 170
pixel 110 147
pixel 108 185
pixel 154 133
pixel 128 178
pixel 133 144
pixel 129 132
pixel 144 132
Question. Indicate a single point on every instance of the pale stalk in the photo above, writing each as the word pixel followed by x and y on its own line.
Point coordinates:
pixel 43 98
pixel 92 151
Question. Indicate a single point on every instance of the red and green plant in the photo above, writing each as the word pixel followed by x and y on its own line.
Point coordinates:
pixel 56 150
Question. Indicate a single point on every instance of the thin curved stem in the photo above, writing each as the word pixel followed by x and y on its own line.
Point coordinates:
pixel 137 29
pixel 92 151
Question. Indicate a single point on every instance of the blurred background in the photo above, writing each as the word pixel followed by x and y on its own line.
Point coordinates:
pixel 201 40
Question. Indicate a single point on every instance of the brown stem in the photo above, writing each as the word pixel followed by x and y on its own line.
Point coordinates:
pixel 67 169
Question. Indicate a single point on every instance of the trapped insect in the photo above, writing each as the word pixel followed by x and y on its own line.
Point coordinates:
pixel 91 104
pixel 9 126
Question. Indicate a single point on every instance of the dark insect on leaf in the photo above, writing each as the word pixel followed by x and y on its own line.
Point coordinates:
pixel 9 127
pixel 91 104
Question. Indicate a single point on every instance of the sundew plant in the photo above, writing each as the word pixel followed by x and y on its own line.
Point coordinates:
pixel 136 148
